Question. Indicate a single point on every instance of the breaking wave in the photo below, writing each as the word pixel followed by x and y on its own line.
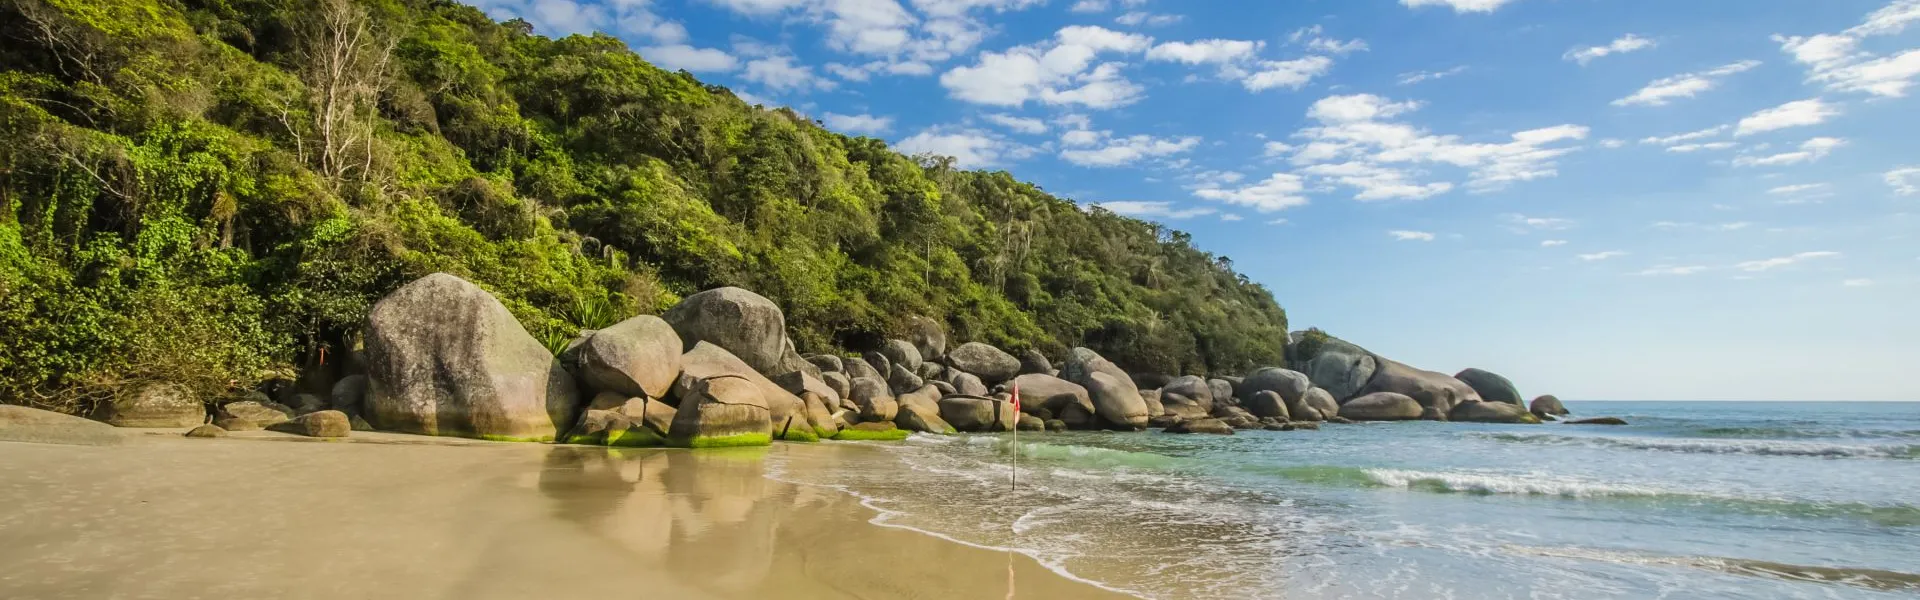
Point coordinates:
pixel 1716 446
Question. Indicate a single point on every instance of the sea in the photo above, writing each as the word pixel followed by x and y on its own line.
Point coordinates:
pixel 1690 500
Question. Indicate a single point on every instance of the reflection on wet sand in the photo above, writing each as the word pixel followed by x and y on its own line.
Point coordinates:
pixel 238 518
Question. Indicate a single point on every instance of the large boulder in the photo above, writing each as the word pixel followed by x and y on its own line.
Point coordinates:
pixel 991 364
pixel 320 424
pixel 1221 388
pixel 1437 390
pixel 903 353
pixel 638 357
pixel 151 405
pixel 928 338
pixel 1236 417
pixel 1316 405
pixel 1192 387
pixel 827 363
pixel 744 323
pixel 968 384
pixel 880 363
pixel 1492 412
pixel 611 428
pixel 1032 423
pixel 977 413
pixel 819 415
pixel 1152 399
pixel 259 413
pixel 1151 381
pixel 444 357
pixel 1289 384
pixel 1032 361
pixel 1491 386
pixel 1382 406
pixel 1268 403
pixel 708 360
pixel 22 424
pixel 349 395
pixel 902 380
pixel 1339 366
pixel 790 361
pixel 931 371
pixel 923 417
pixel 1082 363
pixel 841 385
pixel 654 416
pixel 1182 407
pixel 799 383
pixel 1116 401
pixel 857 368
pixel 1053 394
pixel 720 410
pixel 1548 406
pixel 875 401
pixel 1206 425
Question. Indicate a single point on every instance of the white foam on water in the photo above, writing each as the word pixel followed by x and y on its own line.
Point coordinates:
pixel 1714 446
pixel 1502 483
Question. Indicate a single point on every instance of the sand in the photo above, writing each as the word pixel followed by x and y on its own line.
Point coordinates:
pixel 260 515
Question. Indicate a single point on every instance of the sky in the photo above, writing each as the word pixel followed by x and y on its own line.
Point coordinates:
pixel 1600 199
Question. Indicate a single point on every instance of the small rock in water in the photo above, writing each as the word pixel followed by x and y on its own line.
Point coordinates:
pixel 1056 425
pixel 1599 421
pixel 1207 425
pixel 1032 423
pixel 1278 427
pixel 207 431
pixel 1307 425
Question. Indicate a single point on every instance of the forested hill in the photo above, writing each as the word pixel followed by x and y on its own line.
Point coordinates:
pixel 213 192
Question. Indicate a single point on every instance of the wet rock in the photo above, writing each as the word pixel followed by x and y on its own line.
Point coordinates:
pixel 720 410
pixel 1056 425
pixel 1032 423
pixel 1205 425
pixel 1599 421
pixel 1548 406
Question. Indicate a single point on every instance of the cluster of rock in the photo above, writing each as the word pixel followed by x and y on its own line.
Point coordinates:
pixel 444 357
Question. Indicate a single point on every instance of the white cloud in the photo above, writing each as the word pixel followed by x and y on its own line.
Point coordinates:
pixel 885 28
pixel 1214 51
pixel 1774 263
pixel 1460 6
pixel 1810 151
pixel 1337 47
pixel 1138 18
pixel 1027 125
pixel 1836 60
pixel 689 58
pixel 1230 217
pixel 1552 243
pixel 1160 210
pixel 632 18
pixel 1419 76
pixel 1411 236
pixel 1602 255
pixel 1611 143
pixel 1905 181
pixel 1094 6
pixel 860 124
pixel 1277 222
pixel 970 148
pixel 781 73
pixel 1672 270
pixel 1627 43
pixel 1799 113
pixel 1686 85
pixel 1291 74
pixel 1787 190
pixel 1686 137
pixel 1687 148
pixel 1544 223
pixel 1115 152
pixel 1280 191
pixel 1356 144
pixel 1857 282
pixel 1277 149
pixel 1060 71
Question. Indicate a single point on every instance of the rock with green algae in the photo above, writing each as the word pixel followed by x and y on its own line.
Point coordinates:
pixel 872 431
pixel 612 428
pixel 722 410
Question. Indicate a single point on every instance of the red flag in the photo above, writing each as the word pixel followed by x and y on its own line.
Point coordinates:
pixel 1016 397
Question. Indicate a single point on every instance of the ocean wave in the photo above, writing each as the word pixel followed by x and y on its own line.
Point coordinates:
pixel 1492 483
pixel 1867 578
pixel 1716 446
pixel 1803 433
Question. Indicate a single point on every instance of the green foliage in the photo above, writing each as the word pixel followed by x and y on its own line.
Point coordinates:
pixel 176 205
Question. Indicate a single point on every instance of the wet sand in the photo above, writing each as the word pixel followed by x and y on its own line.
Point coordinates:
pixel 386 516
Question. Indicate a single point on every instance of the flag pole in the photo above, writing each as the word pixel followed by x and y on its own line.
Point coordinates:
pixel 1013 527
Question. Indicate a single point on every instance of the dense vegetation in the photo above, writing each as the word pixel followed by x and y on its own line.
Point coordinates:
pixel 213 192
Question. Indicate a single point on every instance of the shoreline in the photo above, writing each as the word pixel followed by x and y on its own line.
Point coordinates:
pixel 400 516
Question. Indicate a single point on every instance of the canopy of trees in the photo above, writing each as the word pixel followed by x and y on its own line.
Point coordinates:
pixel 212 193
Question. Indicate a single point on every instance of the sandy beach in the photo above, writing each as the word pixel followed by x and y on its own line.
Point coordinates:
pixel 260 515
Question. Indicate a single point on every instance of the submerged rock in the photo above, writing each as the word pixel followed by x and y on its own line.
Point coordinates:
pixel 446 358
pixel 1204 425
pixel 1599 421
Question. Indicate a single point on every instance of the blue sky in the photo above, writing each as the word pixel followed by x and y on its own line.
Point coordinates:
pixel 1601 199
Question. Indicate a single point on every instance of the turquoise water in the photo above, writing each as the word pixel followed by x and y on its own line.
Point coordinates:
pixel 1692 500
